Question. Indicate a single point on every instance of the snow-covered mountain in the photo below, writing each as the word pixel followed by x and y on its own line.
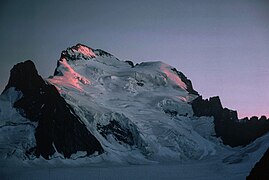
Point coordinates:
pixel 96 106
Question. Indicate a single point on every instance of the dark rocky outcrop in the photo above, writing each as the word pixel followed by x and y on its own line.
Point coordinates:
pixel 59 128
pixel 171 113
pixel 130 63
pixel 100 52
pixel 261 168
pixel 141 83
pixel 211 107
pixel 233 132
pixel 24 77
pixel 114 128
pixel 186 81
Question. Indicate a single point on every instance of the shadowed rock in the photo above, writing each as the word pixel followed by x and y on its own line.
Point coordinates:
pixel 233 132
pixel 130 63
pixel 122 134
pixel 261 168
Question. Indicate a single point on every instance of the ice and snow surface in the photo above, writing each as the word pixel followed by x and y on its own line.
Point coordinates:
pixel 232 164
pixel 17 133
pixel 151 101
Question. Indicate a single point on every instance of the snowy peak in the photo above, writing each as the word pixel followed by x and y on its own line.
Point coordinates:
pixel 80 52
pixel 85 50
pixel 82 49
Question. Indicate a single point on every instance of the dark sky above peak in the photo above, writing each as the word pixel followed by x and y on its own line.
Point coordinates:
pixel 222 46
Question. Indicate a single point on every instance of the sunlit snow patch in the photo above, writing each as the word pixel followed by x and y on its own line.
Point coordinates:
pixel 172 76
pixel 69 78
pixel 84 50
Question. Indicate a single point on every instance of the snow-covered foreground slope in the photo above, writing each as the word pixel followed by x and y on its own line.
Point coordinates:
pixel 140 114
pixel 232 164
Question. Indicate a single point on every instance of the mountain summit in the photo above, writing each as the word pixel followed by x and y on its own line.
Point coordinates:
pixel 96 105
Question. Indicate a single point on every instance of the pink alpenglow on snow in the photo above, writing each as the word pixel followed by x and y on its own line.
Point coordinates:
pixel 70 77
pixel 172 76
pixel 184 99
pixel 84 50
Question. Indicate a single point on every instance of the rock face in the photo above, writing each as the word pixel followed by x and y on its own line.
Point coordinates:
pixel 233 132
pixel 261 169
pixel 59 128
pixel 24 77
pixel 121 134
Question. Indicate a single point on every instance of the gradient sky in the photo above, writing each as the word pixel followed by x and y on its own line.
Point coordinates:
pixel 222 46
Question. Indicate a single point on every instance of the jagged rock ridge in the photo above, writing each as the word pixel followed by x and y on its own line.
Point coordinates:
pixel 233 132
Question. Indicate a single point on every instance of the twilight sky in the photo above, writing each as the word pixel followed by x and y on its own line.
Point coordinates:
pixel 222 46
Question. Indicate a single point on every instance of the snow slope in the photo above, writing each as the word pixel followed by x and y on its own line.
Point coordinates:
pixel 17 133
pixel 232 164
